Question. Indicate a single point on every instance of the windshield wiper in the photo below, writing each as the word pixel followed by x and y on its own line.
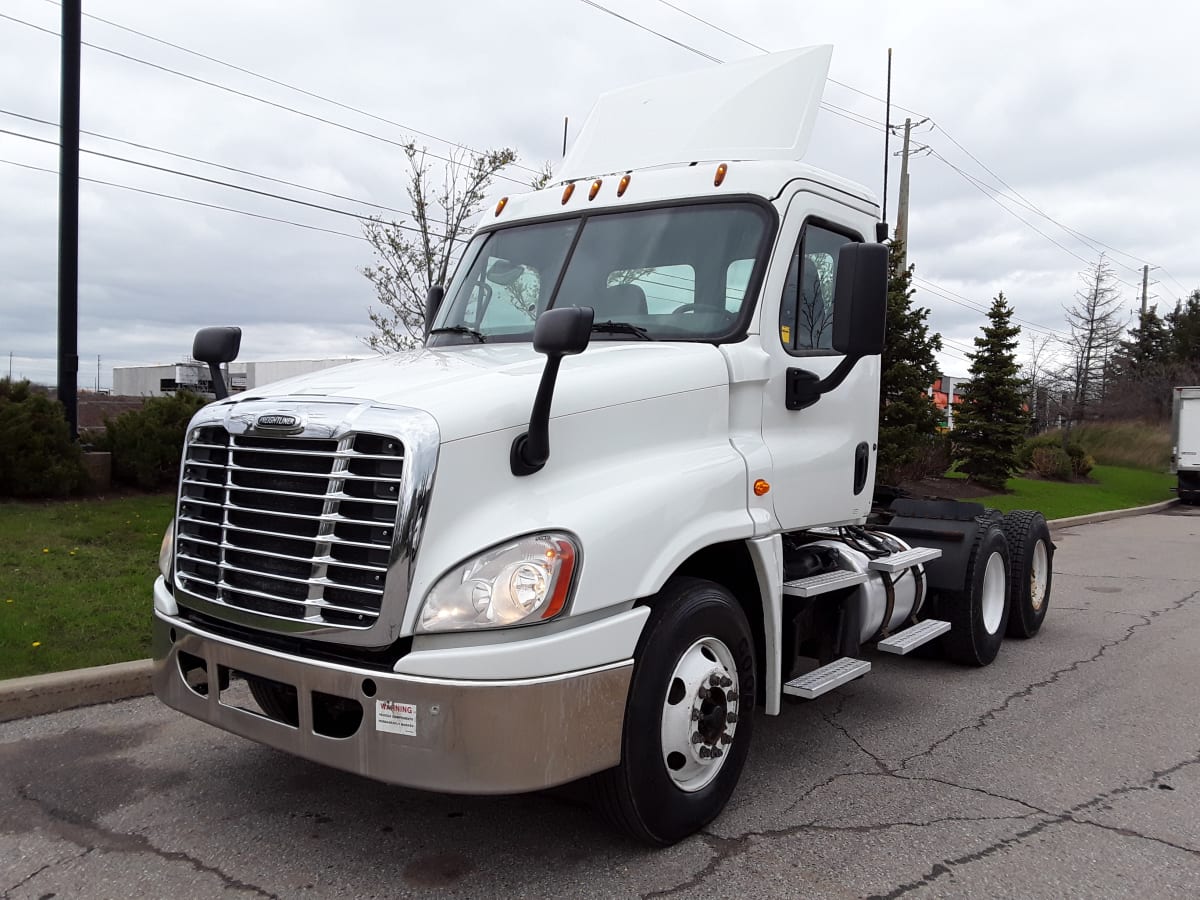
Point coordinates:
pixel 611 327
pixel 480 337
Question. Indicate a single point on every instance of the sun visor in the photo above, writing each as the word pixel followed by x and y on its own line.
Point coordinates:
pixel 759 108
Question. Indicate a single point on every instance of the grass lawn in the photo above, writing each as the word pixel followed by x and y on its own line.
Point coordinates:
pixel 75 581
pixel 1117 488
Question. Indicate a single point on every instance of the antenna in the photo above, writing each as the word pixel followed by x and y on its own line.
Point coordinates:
pixel 887 132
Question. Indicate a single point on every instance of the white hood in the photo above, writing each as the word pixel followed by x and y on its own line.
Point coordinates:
pixel 480 389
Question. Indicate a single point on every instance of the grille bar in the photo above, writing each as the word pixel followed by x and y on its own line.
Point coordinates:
pixel 290 527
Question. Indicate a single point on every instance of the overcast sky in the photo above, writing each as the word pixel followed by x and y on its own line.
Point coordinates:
pixel 1087 109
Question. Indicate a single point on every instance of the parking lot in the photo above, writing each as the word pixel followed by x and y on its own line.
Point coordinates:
pixel 1070 767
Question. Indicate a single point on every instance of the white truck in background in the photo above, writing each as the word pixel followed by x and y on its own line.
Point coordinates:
pixel 618 503
pixel 1185 443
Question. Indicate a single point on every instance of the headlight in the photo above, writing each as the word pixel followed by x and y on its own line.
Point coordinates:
pixel 524 581
pixel 164 552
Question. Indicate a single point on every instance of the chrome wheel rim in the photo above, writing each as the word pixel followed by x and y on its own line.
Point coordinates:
pixel 700 714
pixel 994 583
pixel 1039 573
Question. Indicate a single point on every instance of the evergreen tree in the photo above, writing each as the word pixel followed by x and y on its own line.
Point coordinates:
pixel 908 418
pixel 1184 326
pixel 991 422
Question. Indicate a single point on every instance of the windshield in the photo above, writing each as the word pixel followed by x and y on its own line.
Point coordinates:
pixel 675 273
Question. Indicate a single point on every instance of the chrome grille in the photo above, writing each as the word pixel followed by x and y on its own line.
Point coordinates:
pixel 295 528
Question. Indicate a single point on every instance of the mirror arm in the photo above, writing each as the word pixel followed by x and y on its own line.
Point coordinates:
pixel 804 388
pixel 531 450
pixel 218 381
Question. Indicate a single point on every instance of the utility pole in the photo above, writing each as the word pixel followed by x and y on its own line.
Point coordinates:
pixel 10 367
pixel 902 209
pixel 1145 287
pixel 68 216
pixel 97 373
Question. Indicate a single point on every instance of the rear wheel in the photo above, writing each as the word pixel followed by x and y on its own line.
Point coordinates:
pixel 978 614
pixel 689 718
pixel 1030 570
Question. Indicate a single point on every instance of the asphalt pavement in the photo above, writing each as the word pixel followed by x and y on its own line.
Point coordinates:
pixel 1068 768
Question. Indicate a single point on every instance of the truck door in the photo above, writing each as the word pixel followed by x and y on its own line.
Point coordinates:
pixel 823 456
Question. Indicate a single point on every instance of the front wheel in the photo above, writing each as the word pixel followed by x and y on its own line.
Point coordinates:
pixel 689 718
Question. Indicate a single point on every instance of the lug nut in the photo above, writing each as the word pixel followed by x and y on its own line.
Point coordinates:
pixel 705 753
pixel 731 718
pixel 731 696
pixel 726 740
pixel 717 753
pixel 695 714
pixel 696 737
pixel 714 679
pixel 726 681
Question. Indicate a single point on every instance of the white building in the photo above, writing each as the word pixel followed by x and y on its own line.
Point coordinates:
pixel 190 375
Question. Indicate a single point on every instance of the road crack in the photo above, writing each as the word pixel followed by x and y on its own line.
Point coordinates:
pixel 981 722
pixel 93 836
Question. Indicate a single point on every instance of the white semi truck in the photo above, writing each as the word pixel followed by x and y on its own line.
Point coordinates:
pixel 618 505
pixel 1185 443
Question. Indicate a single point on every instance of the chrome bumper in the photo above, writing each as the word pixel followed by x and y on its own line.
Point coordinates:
pixel 469 737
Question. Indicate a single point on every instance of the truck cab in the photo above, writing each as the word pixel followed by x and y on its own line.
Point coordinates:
pixel 614 504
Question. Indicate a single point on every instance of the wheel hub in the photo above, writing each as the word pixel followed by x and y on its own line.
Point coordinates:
pixel 700 714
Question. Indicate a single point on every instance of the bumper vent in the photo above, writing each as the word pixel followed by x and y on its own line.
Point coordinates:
pixel 293 528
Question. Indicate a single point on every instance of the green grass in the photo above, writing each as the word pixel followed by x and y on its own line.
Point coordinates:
pixel 1117 488
pixel 1140 445
pixel 75 581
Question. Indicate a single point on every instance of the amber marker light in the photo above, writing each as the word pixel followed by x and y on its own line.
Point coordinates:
pixel 562 583
pixel 721 170
pixel 500 206
pixel 623 184
pixel 761 487
pixel 568 191
pixel 595 189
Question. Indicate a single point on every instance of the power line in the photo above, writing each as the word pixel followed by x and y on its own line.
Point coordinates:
pixel 222 87
pixel 1083 238
pixel 225 184
pixel 956 298
pixel 290 87
pixel 241 212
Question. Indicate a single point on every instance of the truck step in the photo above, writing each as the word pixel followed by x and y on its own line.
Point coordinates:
pixel 911 638
pixel 823 583
pixel 823 680
pixel 897 562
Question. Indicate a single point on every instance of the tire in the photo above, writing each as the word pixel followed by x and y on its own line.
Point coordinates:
pixel 1030 571
pixel 664 789
pixel 277 700
pixel 978 615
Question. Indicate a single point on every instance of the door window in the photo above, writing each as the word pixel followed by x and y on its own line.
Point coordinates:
pixel 806 313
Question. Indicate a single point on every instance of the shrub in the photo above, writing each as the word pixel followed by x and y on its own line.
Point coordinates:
pixel 930 456
pixel 1052 462
pixel 37 456
pixel 147 443
pixel 1081 462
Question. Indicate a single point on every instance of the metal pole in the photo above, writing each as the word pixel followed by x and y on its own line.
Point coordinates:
pixel 68 216
pixel 887 132
pixel 902 208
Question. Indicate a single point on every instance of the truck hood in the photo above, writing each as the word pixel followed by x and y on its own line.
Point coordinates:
pixel 479 389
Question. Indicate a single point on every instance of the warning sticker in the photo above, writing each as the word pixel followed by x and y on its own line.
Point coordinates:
pixel 396 717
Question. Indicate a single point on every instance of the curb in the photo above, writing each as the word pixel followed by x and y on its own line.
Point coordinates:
pixel 1092 518
pixel 37 695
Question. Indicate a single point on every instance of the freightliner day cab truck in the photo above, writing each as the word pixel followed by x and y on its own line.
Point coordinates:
pixel 1185 443
pixel 618 505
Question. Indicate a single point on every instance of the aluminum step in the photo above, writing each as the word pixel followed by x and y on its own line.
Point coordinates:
pixel 825 679
pixel 911 638
pixel 823 583
pixel 904 559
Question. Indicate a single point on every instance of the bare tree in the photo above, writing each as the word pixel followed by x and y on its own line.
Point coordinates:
pixel 410 258
pixel 1037 371
pixel 1095 328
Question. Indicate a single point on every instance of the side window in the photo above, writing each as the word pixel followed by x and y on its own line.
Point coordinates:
pixel 806 313
pixel 737 279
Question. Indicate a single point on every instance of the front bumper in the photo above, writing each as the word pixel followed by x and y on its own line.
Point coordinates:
pixel 468 737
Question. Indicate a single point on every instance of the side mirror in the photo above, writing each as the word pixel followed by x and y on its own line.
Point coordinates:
pixel 557 333
pixel 216 346
pixel 860 299
pixel 433 302
pixel 859 317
